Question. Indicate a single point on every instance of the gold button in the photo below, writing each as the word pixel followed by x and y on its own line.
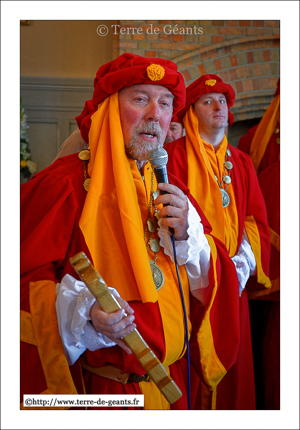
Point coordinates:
pixel 84 155
pixel 276 131
pixel 278 140
pixel 86 184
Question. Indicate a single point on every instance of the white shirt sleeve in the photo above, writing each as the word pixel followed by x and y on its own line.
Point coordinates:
pixel 73 305
pixel 244 262
pixel 194 252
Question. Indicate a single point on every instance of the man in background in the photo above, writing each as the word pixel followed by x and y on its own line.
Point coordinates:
pixel 176 129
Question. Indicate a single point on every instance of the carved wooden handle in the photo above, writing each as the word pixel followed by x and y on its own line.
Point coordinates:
pixel 133 340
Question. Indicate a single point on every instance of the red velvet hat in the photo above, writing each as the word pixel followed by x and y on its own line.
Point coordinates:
pixel 128 70
pixel 176 118
pixel 209 84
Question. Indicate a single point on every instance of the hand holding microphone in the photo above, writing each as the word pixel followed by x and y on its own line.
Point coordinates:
pixel 175 205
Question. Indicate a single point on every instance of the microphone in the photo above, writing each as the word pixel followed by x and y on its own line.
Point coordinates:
pixel 158 159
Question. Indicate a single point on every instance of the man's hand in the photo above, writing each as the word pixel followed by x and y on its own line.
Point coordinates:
pixel 175 214
pixel 114 325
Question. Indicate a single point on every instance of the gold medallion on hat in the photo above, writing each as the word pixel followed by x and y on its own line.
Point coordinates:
pixel 155 72
pixel 210 82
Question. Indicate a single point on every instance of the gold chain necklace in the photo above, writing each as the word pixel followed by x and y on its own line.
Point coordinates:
pixel 84 156
pixel 151 227
pixel 225 179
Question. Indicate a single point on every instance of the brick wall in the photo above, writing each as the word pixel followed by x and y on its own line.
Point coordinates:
pixel 243 53
pixel 169 42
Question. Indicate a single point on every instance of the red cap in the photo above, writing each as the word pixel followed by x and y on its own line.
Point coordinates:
pixel 128 70
pixel 208 84
pixel 176 118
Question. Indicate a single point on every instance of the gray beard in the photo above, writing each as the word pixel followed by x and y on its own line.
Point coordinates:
pixel 139 148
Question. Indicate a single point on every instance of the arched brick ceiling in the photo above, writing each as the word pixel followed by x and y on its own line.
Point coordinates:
pixel 249 64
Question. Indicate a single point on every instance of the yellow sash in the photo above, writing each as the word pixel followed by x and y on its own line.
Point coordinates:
pixel 203 164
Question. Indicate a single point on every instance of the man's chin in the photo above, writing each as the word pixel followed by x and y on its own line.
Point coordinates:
pixel 140 149
pixel 220 125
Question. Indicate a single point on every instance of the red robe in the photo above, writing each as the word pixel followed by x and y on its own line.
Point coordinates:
pixel 51 206
pixel 236 390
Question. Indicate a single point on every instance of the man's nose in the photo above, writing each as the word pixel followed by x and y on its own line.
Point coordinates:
pixel 217 105
pixel 153 112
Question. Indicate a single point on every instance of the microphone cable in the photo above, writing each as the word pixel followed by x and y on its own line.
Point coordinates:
pixel 185 320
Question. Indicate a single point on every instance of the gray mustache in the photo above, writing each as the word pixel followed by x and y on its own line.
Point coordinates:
pixel 150 128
